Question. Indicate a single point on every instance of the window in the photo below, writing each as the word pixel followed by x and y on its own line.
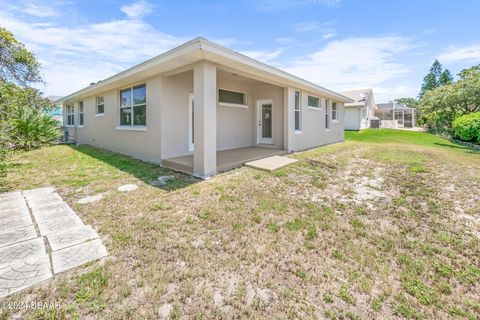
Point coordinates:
pixel 100 105
pixel 334 110
pixel 133 106
pixel 313 102
pixel 70 115
pixel 327 122
pixel 232 97
pixel 297 111
pixel 80 113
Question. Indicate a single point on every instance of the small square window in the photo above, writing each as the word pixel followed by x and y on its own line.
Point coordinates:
pixel 313 102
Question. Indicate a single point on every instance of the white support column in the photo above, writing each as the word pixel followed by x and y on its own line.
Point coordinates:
pixel 289 116
pixel 205 97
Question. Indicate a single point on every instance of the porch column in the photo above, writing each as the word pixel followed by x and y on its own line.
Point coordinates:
pixel 205 121
pixel 289 118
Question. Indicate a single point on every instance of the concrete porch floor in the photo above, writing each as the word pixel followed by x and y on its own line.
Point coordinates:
pixel 226 159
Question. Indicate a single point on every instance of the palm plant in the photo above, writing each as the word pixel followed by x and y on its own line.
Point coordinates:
pixel 34 128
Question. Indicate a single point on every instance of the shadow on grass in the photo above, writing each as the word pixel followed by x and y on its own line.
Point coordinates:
pixel 147 172
pixel 454 145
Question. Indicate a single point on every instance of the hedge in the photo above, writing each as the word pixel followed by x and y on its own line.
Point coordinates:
pixel 467 127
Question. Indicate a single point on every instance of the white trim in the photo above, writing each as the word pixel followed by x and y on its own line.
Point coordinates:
pixel 335 121
pixel 298 132
pixel 226 104
pixel 191 145
pixel 132 128
pixel 260 139
pixel 69 126
pixel 210 51
pixel 80 127
pixel 99 114
pixel 315 108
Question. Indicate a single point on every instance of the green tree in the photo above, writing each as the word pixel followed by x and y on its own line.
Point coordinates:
pixel 445 78
pixel 19 69
pixel 435 78
pixel 17 64
pixel 442 105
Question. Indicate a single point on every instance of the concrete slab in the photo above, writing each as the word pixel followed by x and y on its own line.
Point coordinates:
pixel 17 235
pixel 77 255
pixel 14 253
pixel 61 223
pixel 24 258
pixel 71 237
pixel 24 273
pixel 271 163
pixel 14 223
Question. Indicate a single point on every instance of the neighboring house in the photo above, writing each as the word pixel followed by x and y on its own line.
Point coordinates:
pixel 395 115
pixel 359 112
pixel 202 108
pixel 57 112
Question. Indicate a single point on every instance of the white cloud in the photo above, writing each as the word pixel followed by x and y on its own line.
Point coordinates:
pixel 39 11
pixel 354 63
pixel 264 56
pixel 467 53
pixel 137 9
pixel 325 28
pixel 74 56
pixel 286 40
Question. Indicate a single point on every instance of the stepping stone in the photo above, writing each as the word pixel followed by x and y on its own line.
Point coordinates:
pixel 91 199
pixel 24 273
pixel 17 235
pixel 45 214
pixel 127 187
pixel 8 204
pixel 162 180
pixel 14 253
pixel 7 224
pixel 77 255
pixel 53 225
pixel 68 238
pixel 14 213
pixel 10 195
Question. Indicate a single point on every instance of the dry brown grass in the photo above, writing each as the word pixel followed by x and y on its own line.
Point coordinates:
pixel 357 230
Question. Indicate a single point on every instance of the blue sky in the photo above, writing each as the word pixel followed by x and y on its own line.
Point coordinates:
pixel 340 44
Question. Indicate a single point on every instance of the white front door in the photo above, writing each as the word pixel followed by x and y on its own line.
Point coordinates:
pixel 191 119
pixel 265 121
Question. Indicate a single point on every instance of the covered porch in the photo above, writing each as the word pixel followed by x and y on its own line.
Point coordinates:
pixel 225 159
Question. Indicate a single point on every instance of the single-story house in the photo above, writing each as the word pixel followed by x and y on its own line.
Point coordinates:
pixel 201 108
pixel 359 112
pixel 395 115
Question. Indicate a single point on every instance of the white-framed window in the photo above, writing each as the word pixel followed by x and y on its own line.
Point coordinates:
pixel 334 111
pixel 327 120
pixel 80 113
pixel 100 105
pixel 133 106
pixel 232 98
pixel 70 115
pixel 297 110
pixel 314 102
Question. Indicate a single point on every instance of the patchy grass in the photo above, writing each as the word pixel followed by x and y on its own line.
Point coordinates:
pixel 384 225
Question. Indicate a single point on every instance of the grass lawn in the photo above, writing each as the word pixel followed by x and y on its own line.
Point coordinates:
pixel 385 225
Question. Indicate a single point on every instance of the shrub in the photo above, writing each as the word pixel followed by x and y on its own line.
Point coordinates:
pixel 34 128
pixel 467 127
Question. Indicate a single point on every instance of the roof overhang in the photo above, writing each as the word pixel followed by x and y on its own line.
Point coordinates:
pixel 197 50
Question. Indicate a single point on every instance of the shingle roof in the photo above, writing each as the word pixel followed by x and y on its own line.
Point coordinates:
pixel 357 96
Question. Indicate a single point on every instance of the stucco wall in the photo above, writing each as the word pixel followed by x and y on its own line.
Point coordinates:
pixel 313 130
pixel 101 131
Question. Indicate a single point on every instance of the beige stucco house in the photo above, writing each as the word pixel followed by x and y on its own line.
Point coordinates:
pixel 202 108
pixel 359 112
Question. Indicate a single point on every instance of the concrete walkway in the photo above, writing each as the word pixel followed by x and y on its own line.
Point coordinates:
pixel 41 236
